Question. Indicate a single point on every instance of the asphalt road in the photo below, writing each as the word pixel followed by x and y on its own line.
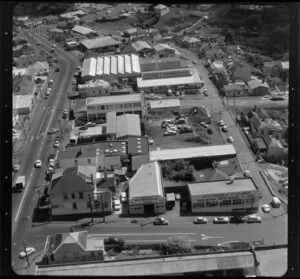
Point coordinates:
pixel 38 144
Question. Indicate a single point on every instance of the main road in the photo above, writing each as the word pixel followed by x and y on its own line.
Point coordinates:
pixel 45 116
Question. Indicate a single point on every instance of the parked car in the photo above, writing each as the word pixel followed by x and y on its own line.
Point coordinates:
pixel 224 129
pixel 221 123
pixel 38 164
pixel 52 131
pixel 57 69
pixel 180 121
pixel 169 133
pixel 16 167
pixel 204 124
pixel 253 219
pixel 29 251
pixel 150 141
pixel 117 205
pixel 56 144
pixel 247 173
pixel 160 221
pixel 221 220
pixel 83 128
pixel 200 220
pixel 177 197
pixel 90 124
pixel 237 220
pixel 266 208
pixel 205 92
pixel 230 139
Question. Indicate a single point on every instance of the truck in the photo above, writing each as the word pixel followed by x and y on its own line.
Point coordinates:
pixel 20 183
pixel 170 200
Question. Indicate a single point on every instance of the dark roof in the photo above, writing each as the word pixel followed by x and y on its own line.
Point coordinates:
pixel 251 114
pixel 256 121
pixel 168 63
pixel 267 139
pixel 70 182
pixel 260 143
pixel 57 240
pixel 138 145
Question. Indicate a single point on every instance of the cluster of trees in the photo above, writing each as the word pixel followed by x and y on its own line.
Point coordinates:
pixel 146 20
pixel 20 41
pixel 180 170
pixel 40 9
pixel 176 245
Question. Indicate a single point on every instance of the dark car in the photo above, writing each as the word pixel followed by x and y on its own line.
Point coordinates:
pixel 160 221
pixel 237 220
pixel 83 128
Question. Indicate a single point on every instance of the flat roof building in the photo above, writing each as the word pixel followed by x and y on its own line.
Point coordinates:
pixel 237 195
pixel 146 195
pixel 100 43
pixel 165 104
pixel 193 152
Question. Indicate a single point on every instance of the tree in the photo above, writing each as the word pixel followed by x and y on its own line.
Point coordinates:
pixel 229 37
pixel 279 39
pixel 176 245
pixel 253 22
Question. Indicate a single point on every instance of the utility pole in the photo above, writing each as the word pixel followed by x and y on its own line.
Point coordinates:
pixel 26 253
pixel 102 207
pixel 61 133
pixel 91 206
pixel 50 213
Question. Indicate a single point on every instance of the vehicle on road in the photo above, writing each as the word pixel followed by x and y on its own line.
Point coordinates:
pixel 29 251
pixel 65 113
pixel 276 202
pixel 253 219
pixel 48 93
pixel 117 205
pixel 247 173
pixel 160 221
pixel 177 196
pixel 90 124
pixel 20 182
pixel 56 144
pixel 221 123
pixel 266 208
pixel 180 121
pixel 194 62
pixel 52 131
pixel 169 133
pixel 83 128
pixel 230 139
pixel 224 129
pixel 266 97
pixel 205 92
pixel 38 164
pixel 221 220
pixel 57 69
pixel 16 167
pixel 200 220
pixel 237 220
pixel 277 98
pixel 150 141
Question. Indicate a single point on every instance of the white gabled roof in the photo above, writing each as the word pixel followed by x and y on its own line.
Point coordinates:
pixel 120 64
pixel 127 64
pixel 89 67
pixel 99 71
pixel 113 65
pixel 106 69
pixel 113 99
pixel 135 63
pixel 192 152
pixel 82 30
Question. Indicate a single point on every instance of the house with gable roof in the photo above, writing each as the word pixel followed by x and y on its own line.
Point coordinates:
pixel 258 87
pixel 161 10
pixel 73 247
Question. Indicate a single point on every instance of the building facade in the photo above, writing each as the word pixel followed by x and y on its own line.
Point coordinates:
pixel 221 196
pixel 121 104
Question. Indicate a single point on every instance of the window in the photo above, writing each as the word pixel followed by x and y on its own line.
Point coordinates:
pixel 80 195
pixel 225 203
pixel 74 205
pixel 108 107
pixel 89 161
pixel 137 105
pixel 198 204
pixel 119 106
pixel 92 254
pixel 211 203
pixel 238 201
pixel 65 196
pixel 102 107
pixel 128 105
pixel 90 108
pixel 73 196
pixel 250 200
pixel 76 162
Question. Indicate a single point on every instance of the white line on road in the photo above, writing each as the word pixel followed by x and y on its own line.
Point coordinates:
pixel 153 240
pixel 43 122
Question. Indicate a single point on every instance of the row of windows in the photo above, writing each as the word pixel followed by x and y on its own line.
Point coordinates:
pixel 73 196
pixel 76 254
pixel 223 203
pixel 88 161
pixel 115 106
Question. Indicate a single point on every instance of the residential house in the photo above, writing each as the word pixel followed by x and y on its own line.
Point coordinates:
pixel 259 145
pixel 38 69
pixel 50 19
pixel 73 191
pixel 217 67
pixel 284 68
pixel 142 48
pixel 255 122
pixel 71 247
pixel 271 127
pixel 161 10
pixel 240 71
pixel 130 33
pixel 164 50
pixel 258 87
pixel 22 104
pixel 191 42
pixel 236 89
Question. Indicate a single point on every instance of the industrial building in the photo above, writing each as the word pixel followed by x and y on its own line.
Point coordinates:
pixel 123 125
pixel 212 152
pixel 83 30
pixel 142 48
pixel 146 195
pixel 106 43
pixel 99 106
pixel 164 105
pixel 93 88
pixel 115 67
pixel 185 79
pixel 164 50
pixel 240 195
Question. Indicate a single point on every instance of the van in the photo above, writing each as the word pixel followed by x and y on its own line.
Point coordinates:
pixel 275 202
pixel 123 197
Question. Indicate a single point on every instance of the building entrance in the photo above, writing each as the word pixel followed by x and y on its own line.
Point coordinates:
pixel 149 209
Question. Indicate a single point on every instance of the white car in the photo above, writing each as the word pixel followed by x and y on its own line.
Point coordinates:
pixel 29 251
pixel 230 139
pixel 51 162
pixel 266 208
pixel 253 219
pixel 266 97
pixel 221 123
pixel 117 205
pixel 150 141
pixel 204 124
pixel 38 164
pixel 221 220
pixel 247 173
pixel 56 144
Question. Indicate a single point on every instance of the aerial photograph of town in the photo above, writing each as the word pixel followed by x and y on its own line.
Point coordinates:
pixel 150 139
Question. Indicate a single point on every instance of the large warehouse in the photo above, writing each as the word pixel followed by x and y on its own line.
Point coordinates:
pixel 111 67
pixel 146 194
pixel 220 196
pixel 106 43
